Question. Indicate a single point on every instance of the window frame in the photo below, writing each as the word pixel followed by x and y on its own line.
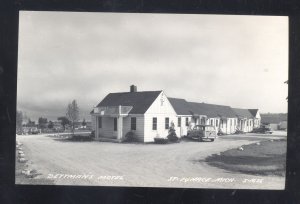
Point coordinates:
pixel 100 122
pixel 133 123
pixel 167 123
pixel 154 123
pixel 115 124
pixel 179 122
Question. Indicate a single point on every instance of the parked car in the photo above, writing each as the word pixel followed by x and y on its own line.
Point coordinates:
pixel 263 130
pixel 202 133
pixel 34 130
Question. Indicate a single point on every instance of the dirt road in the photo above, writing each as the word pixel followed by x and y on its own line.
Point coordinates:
pixel 141 164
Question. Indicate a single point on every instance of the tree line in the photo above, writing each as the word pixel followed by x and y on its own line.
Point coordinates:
pixel 70 119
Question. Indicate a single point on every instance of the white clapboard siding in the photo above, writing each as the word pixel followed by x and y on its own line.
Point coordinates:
pixel 161 108
pixel 257 119
pixel 161 132
pixel 139 132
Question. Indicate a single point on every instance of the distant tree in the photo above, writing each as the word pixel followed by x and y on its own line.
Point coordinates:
pixel 50 124
pixel 64 121
pixel 73 114
pixel 42 122
pixel 25 119
pixel 83 122
pixel 19 120
pixel 30 123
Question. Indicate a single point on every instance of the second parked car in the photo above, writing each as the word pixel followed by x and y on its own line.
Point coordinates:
pixel 203 133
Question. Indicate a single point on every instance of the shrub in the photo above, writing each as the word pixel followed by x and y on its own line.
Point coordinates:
pixel 130 137
pixel 172 137
pixel 92 135
pixel 158 140
pixel 220 132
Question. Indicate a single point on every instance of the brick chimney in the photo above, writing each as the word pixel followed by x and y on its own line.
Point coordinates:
pixel 133 88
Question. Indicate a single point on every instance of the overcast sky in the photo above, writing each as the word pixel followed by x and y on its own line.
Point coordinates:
pixel 240 61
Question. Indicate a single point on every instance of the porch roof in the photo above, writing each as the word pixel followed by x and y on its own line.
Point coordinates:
pixel 112 110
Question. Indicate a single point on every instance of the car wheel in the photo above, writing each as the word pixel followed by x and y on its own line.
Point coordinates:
pixel 212 140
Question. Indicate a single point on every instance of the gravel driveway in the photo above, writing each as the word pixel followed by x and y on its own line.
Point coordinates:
pixel 152 165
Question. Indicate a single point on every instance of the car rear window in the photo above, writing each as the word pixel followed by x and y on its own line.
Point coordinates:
pixel 209 128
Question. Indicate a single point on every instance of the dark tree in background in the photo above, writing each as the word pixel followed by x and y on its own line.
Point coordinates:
pixel 73 114
pixel 30 123
pixel 64 121
pixel 50 125
pixel 42 122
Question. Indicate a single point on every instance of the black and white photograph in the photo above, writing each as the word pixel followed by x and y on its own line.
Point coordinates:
pixel 152 100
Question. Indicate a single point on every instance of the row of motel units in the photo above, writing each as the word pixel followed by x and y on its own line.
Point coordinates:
pixel 149 114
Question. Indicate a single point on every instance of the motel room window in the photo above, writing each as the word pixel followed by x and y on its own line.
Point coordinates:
pixel 167 123
pixel 217 123
pixel 133 123
pixel 99 122
pixel 115 124
pixel 179 122
pixel 154 123
pixel 211 122
pixel 186 121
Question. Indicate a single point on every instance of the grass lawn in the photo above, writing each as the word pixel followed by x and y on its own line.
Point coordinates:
pixel 266 158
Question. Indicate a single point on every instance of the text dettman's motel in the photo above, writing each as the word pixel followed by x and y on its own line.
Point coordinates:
pixel 149 114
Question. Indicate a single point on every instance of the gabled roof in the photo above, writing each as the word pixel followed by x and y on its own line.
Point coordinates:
pixel 253 112
pixel 181 106
pixel 242 113
pixel 140 101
